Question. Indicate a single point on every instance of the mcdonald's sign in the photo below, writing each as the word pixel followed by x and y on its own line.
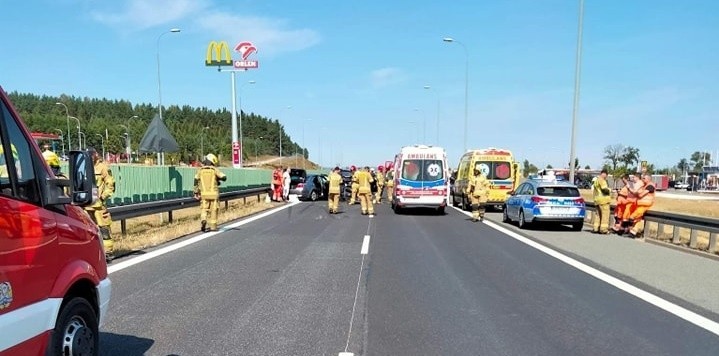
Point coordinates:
pixel 218 54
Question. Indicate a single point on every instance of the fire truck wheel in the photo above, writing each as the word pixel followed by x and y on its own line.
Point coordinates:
pixel 76 330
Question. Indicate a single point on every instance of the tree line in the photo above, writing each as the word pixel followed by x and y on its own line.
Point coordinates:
pixel 196 130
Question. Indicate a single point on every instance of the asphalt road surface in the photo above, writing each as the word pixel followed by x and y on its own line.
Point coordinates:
pixel 301 282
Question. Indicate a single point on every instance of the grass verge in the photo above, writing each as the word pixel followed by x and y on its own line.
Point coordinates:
pixel 152 230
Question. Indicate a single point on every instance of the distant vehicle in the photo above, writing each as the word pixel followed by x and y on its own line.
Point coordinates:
pixel 681 185
pixel 499 168
pixel 661 181
pixel 545 201
pixel 297 180
pixel 420 181
pixel 316 187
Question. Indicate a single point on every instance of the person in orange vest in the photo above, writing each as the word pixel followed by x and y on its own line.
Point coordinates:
pixel 645 202
pixel 364 180
pixel 635 187
pixel 621 204
pixel 277 184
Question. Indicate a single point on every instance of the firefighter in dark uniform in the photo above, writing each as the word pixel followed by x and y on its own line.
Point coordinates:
pixel 207 190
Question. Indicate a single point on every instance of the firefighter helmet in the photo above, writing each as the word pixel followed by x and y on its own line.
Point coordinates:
pixel 212 158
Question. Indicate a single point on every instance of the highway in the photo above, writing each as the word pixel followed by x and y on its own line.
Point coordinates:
pixel 298 281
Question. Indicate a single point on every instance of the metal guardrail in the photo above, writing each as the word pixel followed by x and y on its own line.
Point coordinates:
pixel 695 224
pixel 124 212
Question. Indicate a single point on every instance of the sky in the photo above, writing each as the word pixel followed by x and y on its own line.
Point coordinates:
pixel 347 79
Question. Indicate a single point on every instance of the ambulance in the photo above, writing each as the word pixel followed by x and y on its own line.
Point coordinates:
pixel 420 178
pixel 54 289
pixel 499 168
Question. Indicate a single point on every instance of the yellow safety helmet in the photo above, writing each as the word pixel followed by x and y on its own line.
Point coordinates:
pixel 212 158
pixel 51 158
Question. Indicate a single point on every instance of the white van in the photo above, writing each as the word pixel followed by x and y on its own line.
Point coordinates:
pixel 420 178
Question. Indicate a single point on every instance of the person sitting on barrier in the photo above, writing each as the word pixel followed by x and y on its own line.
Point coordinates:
pixel 645 202
pixel 621 204
pixel 207 183
pixel 635 187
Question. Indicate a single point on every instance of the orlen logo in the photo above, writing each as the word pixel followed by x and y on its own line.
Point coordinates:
pixel 245 49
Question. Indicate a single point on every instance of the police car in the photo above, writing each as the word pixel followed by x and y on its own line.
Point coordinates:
pixel 545 200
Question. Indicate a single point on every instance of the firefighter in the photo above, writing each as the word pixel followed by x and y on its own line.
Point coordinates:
pixel 355 185
pixel 380 184
pixel 644 203
pixel 364 180
pixel 98 211
pixel 389 183
pixel 635 188
pixel 207 190
pixel 621 204
pixel 602 199
pixel 53 161
pixel 333 200
pixel 478 191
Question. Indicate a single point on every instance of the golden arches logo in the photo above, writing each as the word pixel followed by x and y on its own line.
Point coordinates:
pixel 221 54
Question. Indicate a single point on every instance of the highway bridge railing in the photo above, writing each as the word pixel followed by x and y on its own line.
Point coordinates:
pixel 696 225
pixel 129 211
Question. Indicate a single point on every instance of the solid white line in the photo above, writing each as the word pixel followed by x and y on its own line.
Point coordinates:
pixel 365 245
pixel 688 315
pixel 159 252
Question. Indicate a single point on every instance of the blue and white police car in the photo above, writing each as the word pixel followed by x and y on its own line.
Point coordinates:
pixel 545 200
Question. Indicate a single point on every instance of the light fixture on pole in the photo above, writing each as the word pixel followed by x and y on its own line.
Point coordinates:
pixel 62 141
pixel 159 82
pixel 67 117
pixel 575 106
pixel 466 86
pixel 102 144
pixel 241 136
pixel 436 142
pixel 79 144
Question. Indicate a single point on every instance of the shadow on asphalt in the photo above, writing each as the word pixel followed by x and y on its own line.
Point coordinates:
pixel 125 345
pixel 421 212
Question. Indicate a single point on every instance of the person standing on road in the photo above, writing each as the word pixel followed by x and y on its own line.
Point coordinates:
pixel 355 185
pixel 389 183
pixel 478 191
pixel 207 190
pixel 98 211
pixel 277 184
pixel 621 204
pixel 602 199
pixel 286 179
pixel 364 181
pixel 380 184
pixel 333 200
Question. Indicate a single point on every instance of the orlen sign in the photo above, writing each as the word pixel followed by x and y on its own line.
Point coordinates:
pixel 245 49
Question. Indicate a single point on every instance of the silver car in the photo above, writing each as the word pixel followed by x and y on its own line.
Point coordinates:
pixel 552 201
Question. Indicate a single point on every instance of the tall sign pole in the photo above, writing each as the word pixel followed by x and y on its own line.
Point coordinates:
pixel 218 54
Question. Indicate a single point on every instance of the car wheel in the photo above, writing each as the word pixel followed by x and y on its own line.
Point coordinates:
pixel 523 224
pixel 76 330
pixel 505 216
pixel 440 210
pixel 313 196
pixel 577 226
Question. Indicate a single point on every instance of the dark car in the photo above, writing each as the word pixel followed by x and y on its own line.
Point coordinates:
pixel 315 187
pixel 297 179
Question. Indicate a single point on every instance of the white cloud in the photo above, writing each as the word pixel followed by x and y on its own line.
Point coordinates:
pixel 143 14
pixel 384 77
pixel 269 35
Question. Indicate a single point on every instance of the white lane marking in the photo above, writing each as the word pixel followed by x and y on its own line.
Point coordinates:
pixel 159 252
pixel 346 354
pixel 365 245
pixel 688 315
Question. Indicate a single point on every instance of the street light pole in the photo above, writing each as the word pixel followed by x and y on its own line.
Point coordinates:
pixel 466 86
pixel 241 136
pixel 102 143
pixel 79 147
pixel 436 142
pixel 67 117
pixel 159 82
pixel 575 106
pixel 83 139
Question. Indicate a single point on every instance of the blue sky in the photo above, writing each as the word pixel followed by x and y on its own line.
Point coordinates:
pixel 354 72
